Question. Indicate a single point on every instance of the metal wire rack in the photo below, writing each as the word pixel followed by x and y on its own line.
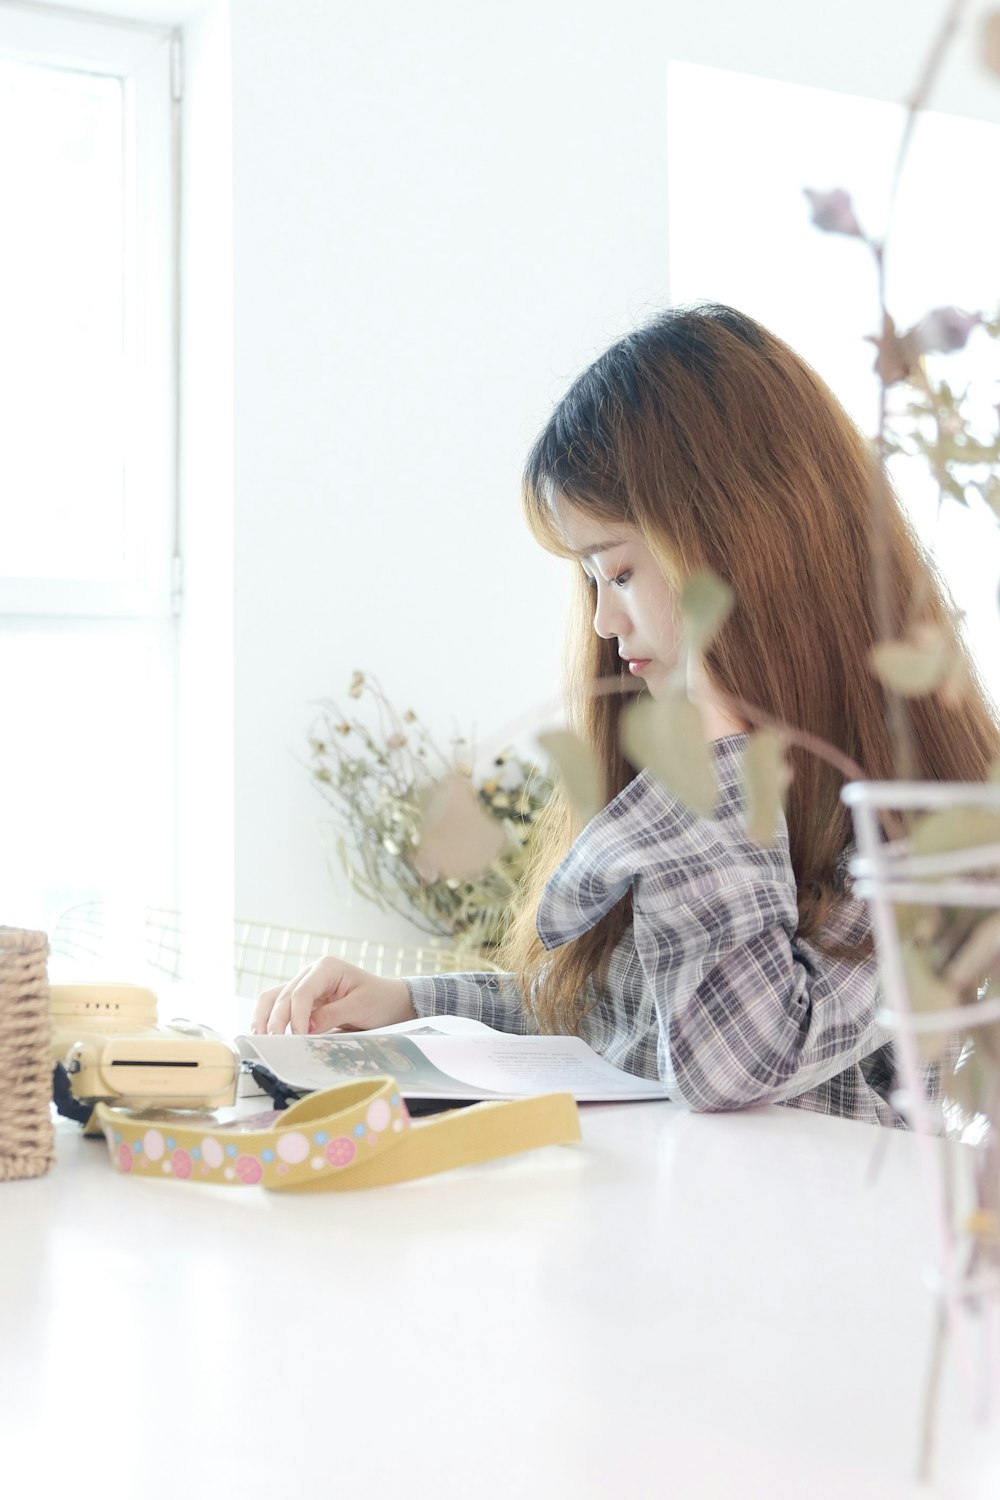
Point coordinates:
pixel 92 931
pixel 264 953
pixel 267 955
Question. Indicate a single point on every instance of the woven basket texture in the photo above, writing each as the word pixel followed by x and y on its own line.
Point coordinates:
pixel 27 1142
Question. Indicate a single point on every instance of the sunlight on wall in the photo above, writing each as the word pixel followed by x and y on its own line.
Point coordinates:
pixel 61 354
pixel 88 793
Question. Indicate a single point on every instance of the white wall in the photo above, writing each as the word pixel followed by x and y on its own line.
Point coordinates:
pixel 434 229
pixel 441 210
pixel 206 876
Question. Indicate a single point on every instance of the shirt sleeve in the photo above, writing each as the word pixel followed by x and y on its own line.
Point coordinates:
pixel 745 1012
pixel 491 998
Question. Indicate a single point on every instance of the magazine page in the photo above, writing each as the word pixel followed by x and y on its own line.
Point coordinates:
pixel 508 1066
pixel 435 1026
pixel 430 1064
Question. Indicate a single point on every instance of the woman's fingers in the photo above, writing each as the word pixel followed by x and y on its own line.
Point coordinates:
pixel 293 1002
pixel 327 1017
pixel 364 1002
pixel 280 1011
pixel 331 993
pixel 321 981
pixel 263 1008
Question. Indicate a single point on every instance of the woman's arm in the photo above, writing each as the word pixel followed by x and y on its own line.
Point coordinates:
pixel 745 1013
pixel 491 998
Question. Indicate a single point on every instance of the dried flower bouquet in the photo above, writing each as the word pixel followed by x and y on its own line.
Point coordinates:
pixel 386 779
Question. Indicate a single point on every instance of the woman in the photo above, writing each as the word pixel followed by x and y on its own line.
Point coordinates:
pixel 675 945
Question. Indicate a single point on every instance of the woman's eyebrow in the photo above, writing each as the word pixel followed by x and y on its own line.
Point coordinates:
pixel 595 548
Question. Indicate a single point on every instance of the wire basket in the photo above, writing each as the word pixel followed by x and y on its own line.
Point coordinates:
pixel 27 1141
pixel 96 932
pixel 963 1185
pixel 267 955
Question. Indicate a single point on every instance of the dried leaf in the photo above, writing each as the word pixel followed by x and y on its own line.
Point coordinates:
pixel 970 1082
pixel 833 211
pixel 989 42
pixel 706 603
pixel 916 923
pixel 956 828
pixel 984 1223
pixel 943 330
pixel 766 776
pixel 669 738
pixel 990 491
pixel 956 684
pixel 897 355
pixel 976 955
pixel 578 768
pixel 457 839
pixel 988 1037
pixel 928 993
pixel 909 669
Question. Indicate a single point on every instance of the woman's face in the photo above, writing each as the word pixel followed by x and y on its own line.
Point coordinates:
pixel 633 603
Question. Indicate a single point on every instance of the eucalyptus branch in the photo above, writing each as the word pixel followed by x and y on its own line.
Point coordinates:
pixel 920 378
pixel 896 708
pixel 932 1383
pixel 814 743
pixel 603 687
pixel 922 92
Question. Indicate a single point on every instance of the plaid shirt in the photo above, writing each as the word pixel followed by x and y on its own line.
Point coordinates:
pixel 709 990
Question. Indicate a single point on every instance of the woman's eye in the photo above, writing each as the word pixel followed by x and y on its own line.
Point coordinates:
pixel 622 578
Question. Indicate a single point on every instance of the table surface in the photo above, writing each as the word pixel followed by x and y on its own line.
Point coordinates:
pixel 683 1305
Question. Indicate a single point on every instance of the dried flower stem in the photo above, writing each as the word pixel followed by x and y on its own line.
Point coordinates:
pixel 896 709
pixel 822 749
pixel 921 93
pixel 932 1383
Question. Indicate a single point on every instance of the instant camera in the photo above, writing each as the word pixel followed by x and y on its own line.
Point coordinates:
pixel 107 1038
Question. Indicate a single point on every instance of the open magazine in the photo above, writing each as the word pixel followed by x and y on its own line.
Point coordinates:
pixel 449 1058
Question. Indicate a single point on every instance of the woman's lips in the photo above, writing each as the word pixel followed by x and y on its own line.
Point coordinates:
pixel 639 664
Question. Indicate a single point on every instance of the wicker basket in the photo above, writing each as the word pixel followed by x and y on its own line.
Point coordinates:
pixel 27 1145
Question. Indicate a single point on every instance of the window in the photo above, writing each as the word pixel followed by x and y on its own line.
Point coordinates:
pixel 88 555
pixel 741 150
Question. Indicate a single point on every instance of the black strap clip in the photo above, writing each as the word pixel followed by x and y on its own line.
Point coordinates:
pixel 281 1094
pixel 65 1100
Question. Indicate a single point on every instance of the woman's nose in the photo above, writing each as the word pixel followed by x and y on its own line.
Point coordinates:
pixel 608 616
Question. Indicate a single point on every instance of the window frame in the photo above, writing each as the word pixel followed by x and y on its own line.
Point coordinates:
pixel 146 60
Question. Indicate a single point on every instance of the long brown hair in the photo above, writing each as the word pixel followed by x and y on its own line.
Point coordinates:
pixel 727 451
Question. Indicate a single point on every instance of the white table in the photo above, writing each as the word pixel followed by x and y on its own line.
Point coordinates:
pixel 683 1306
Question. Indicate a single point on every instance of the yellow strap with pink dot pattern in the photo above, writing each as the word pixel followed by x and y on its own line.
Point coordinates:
pixel 357 1135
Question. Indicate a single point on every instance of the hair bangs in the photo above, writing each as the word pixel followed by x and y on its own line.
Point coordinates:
pixel 577 456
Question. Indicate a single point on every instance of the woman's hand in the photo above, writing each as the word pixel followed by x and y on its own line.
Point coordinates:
pixel 331 993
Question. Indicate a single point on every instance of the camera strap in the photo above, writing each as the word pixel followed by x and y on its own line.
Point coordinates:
pixel 357 1135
